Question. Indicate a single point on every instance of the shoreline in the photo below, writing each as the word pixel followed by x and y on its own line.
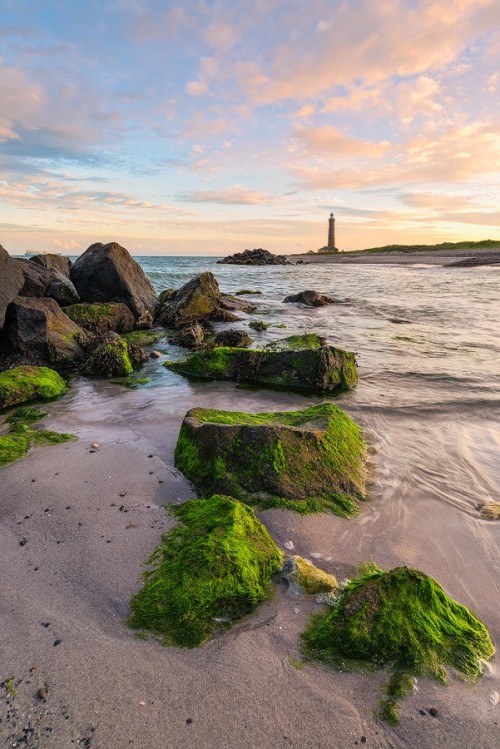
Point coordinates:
pixel 429 257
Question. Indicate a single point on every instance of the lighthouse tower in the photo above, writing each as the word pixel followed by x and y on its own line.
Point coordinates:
pixel 330 247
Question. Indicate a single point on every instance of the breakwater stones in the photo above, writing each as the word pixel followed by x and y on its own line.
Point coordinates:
pixel 254 257
pixel 297 363
pixel 214 567
pixel 401 619
pixel 306 461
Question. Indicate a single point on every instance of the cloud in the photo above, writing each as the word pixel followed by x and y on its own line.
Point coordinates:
pixel 329 140
pixel 232 196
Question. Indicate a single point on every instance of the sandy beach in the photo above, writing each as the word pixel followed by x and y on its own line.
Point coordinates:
pixel 435 257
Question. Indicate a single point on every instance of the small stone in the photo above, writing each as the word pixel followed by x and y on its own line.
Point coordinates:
pixel 32 480
pixel 433 711
pixel 92 451
pixel 189 721
pixel 26 517
pixel 122 494
pixel 151 473
pixel 123 508
pixel 363 739
pixel 57 642
pixel 151 456
pixel 422 712
pixel 32 670
pixel 95 445
pixel 45 624
pixel 42 693
pixel 155 354
pixel 161 481
pixel 23 541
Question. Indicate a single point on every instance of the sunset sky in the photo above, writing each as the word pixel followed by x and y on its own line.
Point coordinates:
pixel 210 127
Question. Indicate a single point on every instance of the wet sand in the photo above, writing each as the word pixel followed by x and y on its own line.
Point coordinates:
pixel 73 577
pixel 471 258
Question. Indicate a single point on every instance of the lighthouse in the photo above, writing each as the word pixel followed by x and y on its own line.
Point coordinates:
pixel 330 247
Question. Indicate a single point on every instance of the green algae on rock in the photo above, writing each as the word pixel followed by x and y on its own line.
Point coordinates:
pixel 307 461
pixel 305 579
pixel 114 357
pixel 101 317
pixel 213 568
pixel 143 337
pixel 23 384
pixel 402 620
pixel 299 362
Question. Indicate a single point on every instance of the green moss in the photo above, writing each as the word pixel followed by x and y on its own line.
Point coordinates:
pixel 297 343
pixel 110 359
pixel 211 569
pixel 389 712
pixel 8 684
pixel 25 414
pixel 23 384
pixel 143 337
pixel 320 468
pixel 402 619
pixel 13 447
pixel 297 664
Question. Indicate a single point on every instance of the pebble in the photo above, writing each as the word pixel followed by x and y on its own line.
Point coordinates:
pixel 42 693
pixel 23 541
pixel 123 508
pixel 45 624
pixel 57 642
pixel 95 445
pixel 189 721
pixel 363 739
pixel 122 494
pixel 289 545
pixel 422 712
pixel 155 354
pixel 92 451
pixel 151 456
pixel 433 711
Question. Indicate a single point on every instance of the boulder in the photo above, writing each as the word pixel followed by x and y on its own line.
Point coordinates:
pixel 223 315
pixel 259 326
pixel 62 290
pixel 233 304
pixel 22 384
pixel 195 301
pixel 108 273
pixel 214 567
pixel 11 281
pixel 304 578
pixel 233 338
pixel 254 257
pixel 307 461
pixel 37 331
pixel 40 281
pixel 191 337
pixel 113 357
pixel 310 299
pixel 299 363
pixel 102 318
pixel 55 263
pixel 245 292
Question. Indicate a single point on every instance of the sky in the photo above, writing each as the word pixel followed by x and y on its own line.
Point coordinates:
pixel 207 127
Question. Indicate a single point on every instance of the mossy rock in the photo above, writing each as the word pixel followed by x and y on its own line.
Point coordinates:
pixel 259 326
pixel 101 318
pixel 299 363
pixel 304 578
pixel 23 384
pixel 403 620
pixel 143 337
pixel 307 461
pixel 213 568
pixel 491 511
pixel 111 358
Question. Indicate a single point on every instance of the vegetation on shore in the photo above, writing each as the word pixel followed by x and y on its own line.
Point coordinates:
pixel 401 620
pixel 143 337
pixel 307 461
pixel 26 383
pixel 483 244
pixel 15 445
pixel 213 568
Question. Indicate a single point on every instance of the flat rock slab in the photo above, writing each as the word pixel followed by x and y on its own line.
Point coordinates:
pixel 307 461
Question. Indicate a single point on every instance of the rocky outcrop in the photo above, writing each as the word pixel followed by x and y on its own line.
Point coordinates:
pixel 192 337
pixel 113 357
pixel 233 338
pixel 300 363
pixel 100 319
pixel 310 298
pixel 55 263
pixel 11 281
pixel 40 281
pixel 306 461
pixel 193 302
pixel 108 273
pixel 22 384
pixel 254 257
pixel 37 331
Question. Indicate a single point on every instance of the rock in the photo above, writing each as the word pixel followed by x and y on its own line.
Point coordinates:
pixel 313 367
pixel 254 257
pixel 305 579
pixel 433 711
pixel 233 338
pixel 113 357
pixel 42 692
pixel 108 273
pixel 62 290
pixel 191 337
pixel 306 461
pixel 310 299
pixel 491 511
pixel 23 384
pixel 214 567
pixel 223 315
pixel 155 354
pixel 243 292
pixel 102 318
pixel 193 302
pixel 40 281
pixel 233 304
pixel 56 263
pixel 259 326
pixel 11 281
pixel 37 331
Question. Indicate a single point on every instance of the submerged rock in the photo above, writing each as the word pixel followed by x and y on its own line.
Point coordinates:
pixel 254 257
pixel 233 338
pixel 305 579
pixel 37 331
pixel 300 362
pixel 310 298
pixel 402 619
pixel 101 318
pixel 22 384
pixel 114 357
pixel 233 304
pixel 193 302
pixel 259 326
pixel 213 568
pixel 192 337
pixel 307 461
pixel 223 315
pixel 11 281
pixel 108 273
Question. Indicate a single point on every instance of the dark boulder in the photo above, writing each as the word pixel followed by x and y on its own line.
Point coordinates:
pixel 108 273
pixel 254 257
pixel 193 302
pixel 37 331
pixel 110 358
pixel 223 315
pixel 310 299
pixel 306 461
pixel 233 304
pixel 192 337
pixel 40 281
pixel 11 281
pixel 233 338
pixel 55 263
pixel 100 319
